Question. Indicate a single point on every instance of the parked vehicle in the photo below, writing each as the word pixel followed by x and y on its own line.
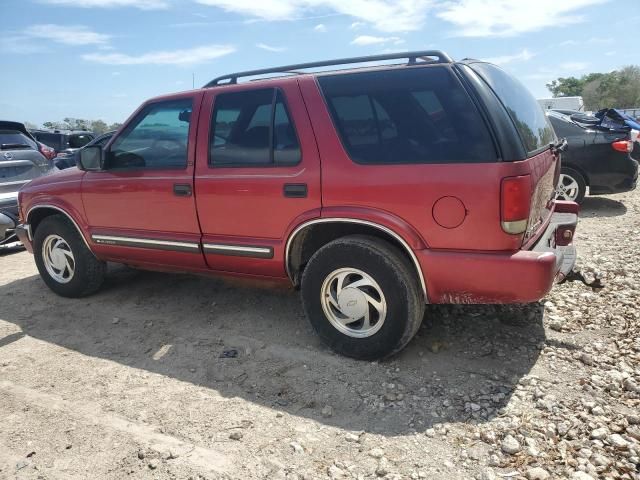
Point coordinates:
pixel 70 159
pixel 562 103
pixel 63 141
pixel 21 159
pixel 374 190
pixel 596 157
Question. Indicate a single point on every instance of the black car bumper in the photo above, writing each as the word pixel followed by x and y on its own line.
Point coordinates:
pixel 615 183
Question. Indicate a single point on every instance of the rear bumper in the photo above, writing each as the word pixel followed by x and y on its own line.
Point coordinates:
pixel 504 277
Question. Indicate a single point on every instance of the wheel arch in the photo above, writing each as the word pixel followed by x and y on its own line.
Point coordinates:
pixel 37 213
pixel 581 171
pixel 311 235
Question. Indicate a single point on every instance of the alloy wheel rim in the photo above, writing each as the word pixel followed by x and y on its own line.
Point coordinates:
pixel 58 259
pixel 568 188
pixel 353 302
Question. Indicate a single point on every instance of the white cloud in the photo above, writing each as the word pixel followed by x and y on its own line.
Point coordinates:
pixel 523 56
pixel 270 48
pixel 385 15
pixel 141 4
pixel 67 34
pixel 321 27
pixel 356 25
pixel 479 18
pixel 174 57
pixel 364 40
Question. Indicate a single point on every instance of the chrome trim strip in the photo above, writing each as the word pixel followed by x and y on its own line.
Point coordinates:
pixel 66 214
pixel 361 222
pixel 135 241
pixel 239 250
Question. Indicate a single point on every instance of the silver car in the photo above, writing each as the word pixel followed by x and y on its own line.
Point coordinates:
pixel 20 161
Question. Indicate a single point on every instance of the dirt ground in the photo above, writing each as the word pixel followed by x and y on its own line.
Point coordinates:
pixel 140 381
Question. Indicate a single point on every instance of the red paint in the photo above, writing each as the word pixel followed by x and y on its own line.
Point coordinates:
pixel 449 215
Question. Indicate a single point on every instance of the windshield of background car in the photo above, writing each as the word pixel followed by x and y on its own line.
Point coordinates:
pixel 525 112
pixel 53 140
pixel 78 140
pixel 409 115
pixel 12 139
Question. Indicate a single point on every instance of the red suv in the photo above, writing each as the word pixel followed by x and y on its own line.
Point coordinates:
pixel 375 190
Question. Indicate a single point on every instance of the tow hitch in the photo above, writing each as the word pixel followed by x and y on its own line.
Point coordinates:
pixel 577 276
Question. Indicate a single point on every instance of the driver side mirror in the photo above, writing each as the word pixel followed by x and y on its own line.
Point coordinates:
pixel 91 159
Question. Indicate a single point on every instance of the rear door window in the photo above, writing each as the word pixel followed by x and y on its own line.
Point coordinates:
pixel 252 128
pixel 525 112
pixel 417 115
pixel 53 140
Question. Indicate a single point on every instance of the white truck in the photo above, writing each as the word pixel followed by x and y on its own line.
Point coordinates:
pixel 562 103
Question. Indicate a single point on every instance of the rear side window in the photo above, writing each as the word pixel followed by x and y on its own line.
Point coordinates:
pixel 252 128
pixel 79 140
pixel 415 115
pixel 13 140
pixel 524 110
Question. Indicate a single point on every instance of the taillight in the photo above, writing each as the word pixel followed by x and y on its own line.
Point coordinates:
pixel 624 146
pixel 48 152
pixel 515 203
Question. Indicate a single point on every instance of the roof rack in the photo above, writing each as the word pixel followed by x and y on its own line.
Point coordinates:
pixel 413 58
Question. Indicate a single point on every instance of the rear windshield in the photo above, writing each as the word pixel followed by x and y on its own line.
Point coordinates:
pixel 524 110
pixel 12 140
pixel 53 140
pixel 412 115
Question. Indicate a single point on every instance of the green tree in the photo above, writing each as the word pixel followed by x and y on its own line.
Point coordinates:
pixel 620 88
pixel 30 126
pixel 99 127
pixel 115 126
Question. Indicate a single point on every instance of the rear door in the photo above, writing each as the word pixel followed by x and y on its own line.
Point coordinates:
pixel 141 209
pixel 257 174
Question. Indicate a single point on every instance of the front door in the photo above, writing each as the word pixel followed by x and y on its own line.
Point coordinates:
pixel 257 175
pixel 141 208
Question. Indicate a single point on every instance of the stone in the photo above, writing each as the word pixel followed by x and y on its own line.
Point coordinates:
pixel 235 435
pixel 510 445
pixel 488 474
pixel 153 464
pixel 335 472
pixel 327 411
pixel 350 437
pixel 376 452
pixel 537 473
pixel 297 448
pixel 599 433
pixel 618 442
pixel 141 454
pixel 581 476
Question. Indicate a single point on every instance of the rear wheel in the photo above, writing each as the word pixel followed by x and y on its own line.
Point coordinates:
pixel 572 185
pixel 362 297
pixel 65 263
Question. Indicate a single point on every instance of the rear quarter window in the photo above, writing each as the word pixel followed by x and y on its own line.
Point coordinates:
pixel 525 112
pixel 404 116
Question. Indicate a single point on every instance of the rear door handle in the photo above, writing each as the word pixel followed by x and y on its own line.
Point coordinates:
pixel 295 190
pixel 182 189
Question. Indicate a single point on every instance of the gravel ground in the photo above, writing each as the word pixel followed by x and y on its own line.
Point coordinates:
pixel 167 376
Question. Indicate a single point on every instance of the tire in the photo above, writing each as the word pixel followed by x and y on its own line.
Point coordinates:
pixel 75 275
pixel 569 176
pixel 380 268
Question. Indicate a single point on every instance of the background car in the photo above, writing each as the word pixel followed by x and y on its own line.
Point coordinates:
pixel 63 140
pixel 69 159
pixel 21 160
pixel 594 158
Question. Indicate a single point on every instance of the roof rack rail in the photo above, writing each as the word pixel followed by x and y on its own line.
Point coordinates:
pixel 413 57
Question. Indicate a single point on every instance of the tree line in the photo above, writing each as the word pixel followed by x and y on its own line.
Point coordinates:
pixel 97 126
pixel 617 89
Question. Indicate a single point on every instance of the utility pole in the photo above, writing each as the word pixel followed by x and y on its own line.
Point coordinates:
pixel 193 80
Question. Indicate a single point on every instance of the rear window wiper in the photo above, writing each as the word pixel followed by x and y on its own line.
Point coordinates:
pixel 14 146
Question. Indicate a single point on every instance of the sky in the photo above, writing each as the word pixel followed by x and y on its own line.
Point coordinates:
pixel 99 59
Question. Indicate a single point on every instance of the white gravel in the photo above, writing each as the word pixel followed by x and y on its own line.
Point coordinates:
pixel 149 396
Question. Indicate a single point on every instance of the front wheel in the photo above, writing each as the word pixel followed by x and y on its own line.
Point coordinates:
pixel 362 297
pixel 571 186
pixel 65 263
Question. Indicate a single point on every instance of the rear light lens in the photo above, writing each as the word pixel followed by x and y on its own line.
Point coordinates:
pixel 48 152
pixel 624 146
pixel 515 204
